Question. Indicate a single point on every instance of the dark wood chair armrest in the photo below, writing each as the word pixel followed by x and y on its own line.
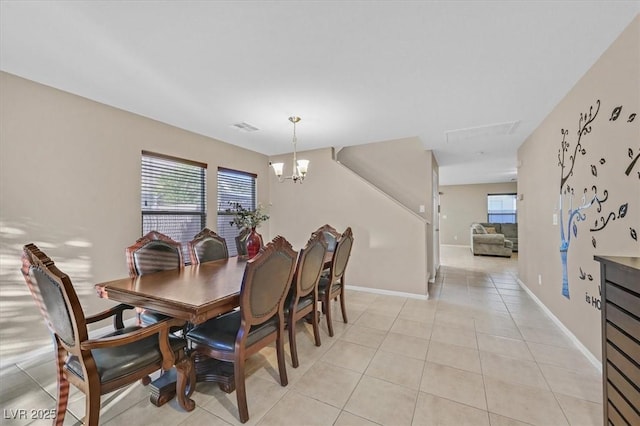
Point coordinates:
pixel 161 328
pixel 117 310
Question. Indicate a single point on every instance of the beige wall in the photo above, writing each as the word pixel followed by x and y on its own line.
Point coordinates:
pixel 614 80
pixel 70 182
pixel 404 170
pixel 401 168
pixel 461 205
pixel 389 240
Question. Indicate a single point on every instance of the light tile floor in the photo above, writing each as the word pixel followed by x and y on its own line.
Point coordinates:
pixel 478 352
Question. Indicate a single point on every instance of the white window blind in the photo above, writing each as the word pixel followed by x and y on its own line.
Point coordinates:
pixel 173 196
pixel 233 187
pixel 501 208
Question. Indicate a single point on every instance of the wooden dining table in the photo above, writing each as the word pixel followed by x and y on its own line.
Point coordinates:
pixel 195 294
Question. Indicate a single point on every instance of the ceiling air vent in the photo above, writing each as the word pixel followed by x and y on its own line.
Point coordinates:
pixel 491 130
pixel 245 127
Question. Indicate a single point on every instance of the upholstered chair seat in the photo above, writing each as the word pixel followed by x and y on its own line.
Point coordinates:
pixel 150 317
pixel 120 361
pixel 220 333
pixel 302 303
pixel 323 285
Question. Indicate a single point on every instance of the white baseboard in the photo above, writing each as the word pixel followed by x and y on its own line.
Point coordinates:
pixel 582 348
pixel 388 292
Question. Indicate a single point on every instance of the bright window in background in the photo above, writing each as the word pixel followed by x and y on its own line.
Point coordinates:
pixel 173 196
pixel 234 186
pixel 502 208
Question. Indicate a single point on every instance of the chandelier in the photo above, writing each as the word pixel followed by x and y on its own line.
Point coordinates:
pixel 299 166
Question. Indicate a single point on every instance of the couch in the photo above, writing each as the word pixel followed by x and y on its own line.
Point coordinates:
pixel 509 230
pixel 485 243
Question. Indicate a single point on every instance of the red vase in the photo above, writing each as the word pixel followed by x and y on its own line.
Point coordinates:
pixel 254 243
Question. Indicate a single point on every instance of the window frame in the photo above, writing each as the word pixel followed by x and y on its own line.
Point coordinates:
pixel 201 211
pixel 513 214
pixel 225 230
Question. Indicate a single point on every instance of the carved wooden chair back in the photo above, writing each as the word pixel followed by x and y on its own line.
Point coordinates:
pixel 207 246
pixel 333 285
pixel 154 252
pixel 303 296
pixel 331 236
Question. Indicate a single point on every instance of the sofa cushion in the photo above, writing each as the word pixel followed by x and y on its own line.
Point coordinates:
pixel 478 229
pixel 510 230
pixel 494 239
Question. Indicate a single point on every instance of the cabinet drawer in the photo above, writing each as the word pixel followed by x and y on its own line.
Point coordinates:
pixel 624 278
pixel 626 300
pixel 622 320
pixel 622 406
pixel 624 387
pixel 622 363
pixel 614 417
pixel 626 344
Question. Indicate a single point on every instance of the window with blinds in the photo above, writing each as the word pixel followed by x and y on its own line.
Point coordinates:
pixel 501 208
pixel 173 196
pixel 233 187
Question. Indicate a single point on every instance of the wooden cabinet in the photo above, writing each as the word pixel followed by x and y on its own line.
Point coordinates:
pixel 620 286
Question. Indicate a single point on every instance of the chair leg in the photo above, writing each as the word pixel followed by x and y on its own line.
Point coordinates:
pixel 92 410
pixel 316 327
pixel 241 392
pixel 327 309
pixel 282 366
pixel 343 306
pixel 292 340
pixel 63 388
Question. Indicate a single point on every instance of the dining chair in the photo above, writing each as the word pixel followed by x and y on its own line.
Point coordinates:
pixel 99 365
pixel 242 240
pixel 331 235
pixel 234 336
pixel 207 246
pixel 153 252
pixel 333 285
pixel 303 295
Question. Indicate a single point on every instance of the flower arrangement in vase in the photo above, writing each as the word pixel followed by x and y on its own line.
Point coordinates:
pixel 246 219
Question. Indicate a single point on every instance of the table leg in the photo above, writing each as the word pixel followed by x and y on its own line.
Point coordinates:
pixel 163 389
pixel 213 370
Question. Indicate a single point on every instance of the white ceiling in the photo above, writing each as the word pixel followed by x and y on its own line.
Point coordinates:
pixel 355 71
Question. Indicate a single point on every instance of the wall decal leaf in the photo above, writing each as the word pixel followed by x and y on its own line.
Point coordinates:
pixel 602 161
pixel 575 230
pixel 594 170
pixel 615 113
pixel 631 117
pixel 622 212
pixel 633 233
pixel 593 242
